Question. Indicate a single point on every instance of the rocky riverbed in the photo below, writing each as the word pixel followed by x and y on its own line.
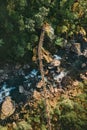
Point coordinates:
pixel 19 83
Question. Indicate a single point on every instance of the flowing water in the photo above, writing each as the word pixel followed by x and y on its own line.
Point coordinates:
pixel 21 82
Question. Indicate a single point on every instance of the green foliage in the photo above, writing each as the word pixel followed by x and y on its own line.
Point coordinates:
pixel 40 16
pixel 43 127
pixel 1 42
pixel 68 114
pixel 59 41
pixel 3 128
pixel 21 21
pixel 20 27
pixel 23 126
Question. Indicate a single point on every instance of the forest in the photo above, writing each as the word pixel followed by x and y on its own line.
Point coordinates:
pixel 43 64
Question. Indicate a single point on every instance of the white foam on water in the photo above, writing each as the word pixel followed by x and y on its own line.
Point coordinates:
pixel 60 76
pixel 57 57
pixel 32 74
pixel 4 92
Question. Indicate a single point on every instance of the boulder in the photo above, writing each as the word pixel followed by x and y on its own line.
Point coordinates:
pixel 76 48
pixel 7 108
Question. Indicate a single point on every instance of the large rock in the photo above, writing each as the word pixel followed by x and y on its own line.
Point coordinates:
pixel 76 48
pixel 8 108
pixel 85 53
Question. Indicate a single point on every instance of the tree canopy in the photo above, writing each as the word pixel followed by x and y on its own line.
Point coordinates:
pixel 21 21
